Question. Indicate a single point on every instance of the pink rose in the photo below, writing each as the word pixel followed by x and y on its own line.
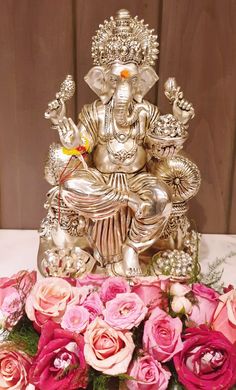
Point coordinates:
pixel 225 315
pixel 152 291
pixel 207 300
pixel 13 294
pixel 75 319
pixel 113 286
pixel 125 311
pixel 149 374
pixel 95 280
pixel 207 360
pixel 106 349
pixel 49 299
pixel 14 367
pixel 162 335
pixel 59 363
pixel 94 305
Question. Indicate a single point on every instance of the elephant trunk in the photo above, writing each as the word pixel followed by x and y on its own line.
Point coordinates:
pixel 122 99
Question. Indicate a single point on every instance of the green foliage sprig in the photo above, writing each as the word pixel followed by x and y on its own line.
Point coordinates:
pixel 101 381
pixel 25 336
pixel 212 277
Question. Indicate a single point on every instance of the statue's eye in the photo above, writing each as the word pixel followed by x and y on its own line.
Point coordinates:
pixel 113 79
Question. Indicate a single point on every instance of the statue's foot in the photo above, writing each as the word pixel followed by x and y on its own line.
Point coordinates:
pixel 131 264
pixel 129 267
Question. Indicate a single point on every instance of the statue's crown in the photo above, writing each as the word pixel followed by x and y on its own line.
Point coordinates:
pixel 124 39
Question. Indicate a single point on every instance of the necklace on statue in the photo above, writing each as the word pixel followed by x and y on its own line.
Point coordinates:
pixel 121 136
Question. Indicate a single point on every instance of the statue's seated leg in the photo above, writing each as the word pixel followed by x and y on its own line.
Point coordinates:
pixel 151 202
pixel 92 195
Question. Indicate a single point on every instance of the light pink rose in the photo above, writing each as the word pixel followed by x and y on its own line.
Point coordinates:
pixel 75 319
pixel 125 311
pixel 49 299
pixel 113 286
pixel 162 335
pixel 14 368
pixel 106 349
pixel 152 291
pixel 94 306
pixel 207 301
pixel 95 280
pixel 181 305
pixel 148 373
pixel 225 316
pixel 13 294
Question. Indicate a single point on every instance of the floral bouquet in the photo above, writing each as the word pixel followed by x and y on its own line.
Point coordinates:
pixel 97 332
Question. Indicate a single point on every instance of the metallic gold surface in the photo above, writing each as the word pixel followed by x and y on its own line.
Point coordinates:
pixel 114 199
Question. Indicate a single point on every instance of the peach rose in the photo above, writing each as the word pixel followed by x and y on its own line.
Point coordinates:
pixel 14 368
pixel 106 349
pixel 225 316
pixel 49 299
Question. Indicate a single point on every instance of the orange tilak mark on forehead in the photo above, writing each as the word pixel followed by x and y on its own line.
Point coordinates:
pixel 125 74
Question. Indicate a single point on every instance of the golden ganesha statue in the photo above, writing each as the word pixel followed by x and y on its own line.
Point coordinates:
pixel 120 185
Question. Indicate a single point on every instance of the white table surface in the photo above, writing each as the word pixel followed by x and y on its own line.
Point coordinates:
pixel 18 250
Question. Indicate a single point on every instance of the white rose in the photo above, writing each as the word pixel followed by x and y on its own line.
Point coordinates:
pixel 179 290
pixel 181 305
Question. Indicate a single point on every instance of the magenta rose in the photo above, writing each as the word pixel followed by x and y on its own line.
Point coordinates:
pixel 113 286
pixel 14 367
pixel 106 349
pixel 207 301
pixel 225 315
pixel 49 299
pixel 162 335
pixel 13 294
pixel 125 311
pixel 148 373
pixel 152 291
pixel 60 362
pixel 94 305
pixel 207 360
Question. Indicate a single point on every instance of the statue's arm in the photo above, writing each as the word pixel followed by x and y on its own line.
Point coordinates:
pixel 182 109
pixel 165 132
pixel 71 135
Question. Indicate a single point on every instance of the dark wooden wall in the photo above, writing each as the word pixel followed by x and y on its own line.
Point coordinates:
pixel 43 40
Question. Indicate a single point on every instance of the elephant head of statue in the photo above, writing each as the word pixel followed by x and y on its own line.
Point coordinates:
pixel 124 84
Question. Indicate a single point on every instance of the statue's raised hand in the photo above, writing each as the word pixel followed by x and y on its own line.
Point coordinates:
pixel 56 111
pixel 183 110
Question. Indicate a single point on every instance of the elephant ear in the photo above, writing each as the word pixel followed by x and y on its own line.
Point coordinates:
pixel 147 78
pixel 96 79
